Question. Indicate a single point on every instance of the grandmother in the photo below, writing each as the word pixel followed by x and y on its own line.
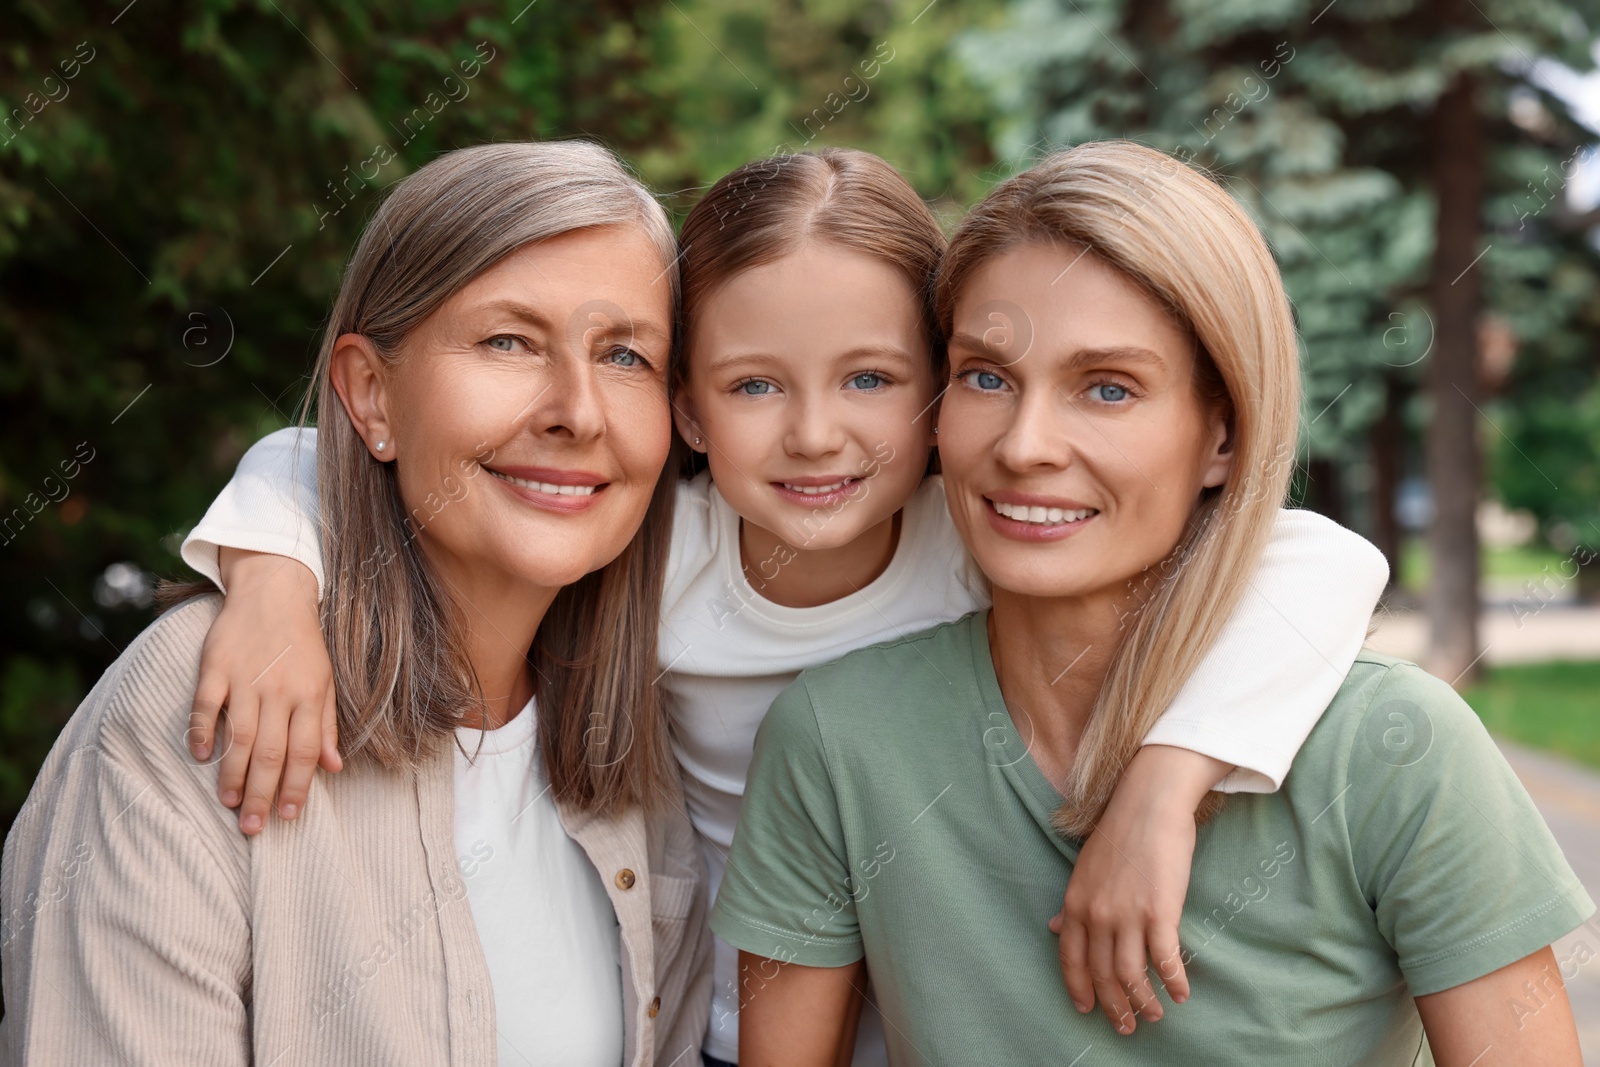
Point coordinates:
pixel 503 872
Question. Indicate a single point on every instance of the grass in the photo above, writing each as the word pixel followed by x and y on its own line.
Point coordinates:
pixel 1526 561
pixel 1549 706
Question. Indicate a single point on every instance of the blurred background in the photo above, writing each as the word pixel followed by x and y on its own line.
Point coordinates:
pixel 180 184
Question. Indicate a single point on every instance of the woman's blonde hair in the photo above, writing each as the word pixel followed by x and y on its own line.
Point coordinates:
pixel 1192 247
pixel 401 670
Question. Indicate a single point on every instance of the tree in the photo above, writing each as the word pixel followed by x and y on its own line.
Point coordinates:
pixel 178 192
pixel 1545 438
pixel 1373 142
pixel 1454 455
pixel 749 78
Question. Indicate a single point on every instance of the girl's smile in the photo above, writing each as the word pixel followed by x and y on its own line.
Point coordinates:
pixel 817 491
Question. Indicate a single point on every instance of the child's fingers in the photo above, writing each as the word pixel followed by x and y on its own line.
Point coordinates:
pixel 1132 975
pixel 239 724
pixel 1102 971
pixel 1166 955
pixel 300 764
pixel 330 759
pixel 267 755
pixel 1074 951
pixel 209 696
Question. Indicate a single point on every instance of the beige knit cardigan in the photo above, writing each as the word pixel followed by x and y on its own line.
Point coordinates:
pixel 140 927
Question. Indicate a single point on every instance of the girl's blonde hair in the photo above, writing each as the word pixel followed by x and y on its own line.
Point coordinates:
pixel 401 670
pixel 1192 247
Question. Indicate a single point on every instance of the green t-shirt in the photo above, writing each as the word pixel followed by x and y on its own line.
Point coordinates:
pixel 894 811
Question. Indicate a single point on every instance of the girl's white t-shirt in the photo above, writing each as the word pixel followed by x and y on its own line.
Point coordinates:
pixel 548 929
pixel 726 652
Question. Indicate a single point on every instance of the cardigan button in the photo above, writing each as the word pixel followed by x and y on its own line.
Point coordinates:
pixel 655 1007
pixel 625 879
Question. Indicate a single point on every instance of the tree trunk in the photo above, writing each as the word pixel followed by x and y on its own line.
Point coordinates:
pixel 1454 465
pixel 1388 444
pixel 1324 491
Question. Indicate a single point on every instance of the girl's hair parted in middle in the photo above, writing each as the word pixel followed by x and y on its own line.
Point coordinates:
pixel 768 208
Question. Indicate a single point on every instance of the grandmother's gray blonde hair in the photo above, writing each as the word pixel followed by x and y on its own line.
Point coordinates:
pixel 401 672
pixel 1191 246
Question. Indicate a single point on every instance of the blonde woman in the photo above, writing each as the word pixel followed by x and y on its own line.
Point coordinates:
pixel 503 873
pixel 911 803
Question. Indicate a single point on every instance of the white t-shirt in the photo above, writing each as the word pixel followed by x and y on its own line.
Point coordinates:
pixel 726 652
pixel 548 930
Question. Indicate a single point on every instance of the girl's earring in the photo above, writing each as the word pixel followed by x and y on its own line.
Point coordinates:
pixel 936 431
pixel 697 440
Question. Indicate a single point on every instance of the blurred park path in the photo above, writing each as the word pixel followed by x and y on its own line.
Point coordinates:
pixel 1510 632
pixel 1567 794
pixel 1568 797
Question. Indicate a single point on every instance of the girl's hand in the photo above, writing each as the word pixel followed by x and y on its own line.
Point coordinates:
pixel 265 663
pixel 1125 897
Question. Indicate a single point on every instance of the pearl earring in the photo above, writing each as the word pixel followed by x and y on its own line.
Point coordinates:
pixel 381 445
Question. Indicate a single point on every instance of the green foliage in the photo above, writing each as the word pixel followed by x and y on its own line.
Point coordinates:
pixel 224 155
pixel 1544 432
pixel 1313 115
pixel 221 157
pixel 750 78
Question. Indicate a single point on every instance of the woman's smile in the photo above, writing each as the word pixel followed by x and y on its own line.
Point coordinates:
pixel 550 488
pixel 1032 517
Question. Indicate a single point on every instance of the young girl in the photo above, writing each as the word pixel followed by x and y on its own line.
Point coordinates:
pixel 806 384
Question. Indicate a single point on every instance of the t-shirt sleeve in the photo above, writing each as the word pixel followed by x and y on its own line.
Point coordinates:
pixel 1282 654
pixel 270 505
pixel 1463 875
pixel 787 892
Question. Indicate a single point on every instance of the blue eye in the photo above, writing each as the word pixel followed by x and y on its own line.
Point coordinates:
pixel 503 343
pixel 626 357
pixel 754 387
pixel 985 381
pixel 1109 392
pixel 867 380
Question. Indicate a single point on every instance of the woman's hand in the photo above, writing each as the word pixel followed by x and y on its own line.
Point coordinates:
pixel 264 661
pixel 1125 897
